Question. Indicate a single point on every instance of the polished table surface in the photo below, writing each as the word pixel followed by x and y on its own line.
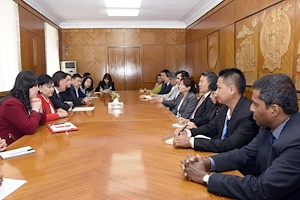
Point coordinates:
pixel 111 156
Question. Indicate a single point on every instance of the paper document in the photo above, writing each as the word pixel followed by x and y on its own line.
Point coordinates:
pixel 16 152
pixel 9 186
pixel 83 109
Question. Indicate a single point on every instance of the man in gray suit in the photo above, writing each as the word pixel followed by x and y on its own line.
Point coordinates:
pixel 271 159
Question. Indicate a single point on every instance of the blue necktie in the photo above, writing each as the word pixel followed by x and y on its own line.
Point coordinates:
pixel 225 128
pixel 271 139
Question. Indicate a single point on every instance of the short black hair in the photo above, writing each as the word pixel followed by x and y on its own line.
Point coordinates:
pixel 278 89
pixel 44 79
pixel 234 76
pixel 76 76
pixel 183 73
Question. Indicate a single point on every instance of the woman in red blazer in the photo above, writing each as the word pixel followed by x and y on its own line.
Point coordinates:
pixel 21 111
pixel 46 89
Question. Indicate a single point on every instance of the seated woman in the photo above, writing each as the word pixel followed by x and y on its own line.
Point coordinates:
pixel 187 104
pixel 106 84
pixel 46 89
pixel 157 86
pixel 87 86
pixel 21 111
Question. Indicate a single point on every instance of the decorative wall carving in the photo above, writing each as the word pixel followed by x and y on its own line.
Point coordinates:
pixel 245 57
pixel 275 37
pixel 298 60
pixel 213 55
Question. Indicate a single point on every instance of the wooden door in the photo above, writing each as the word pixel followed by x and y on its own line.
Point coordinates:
pixel 124 67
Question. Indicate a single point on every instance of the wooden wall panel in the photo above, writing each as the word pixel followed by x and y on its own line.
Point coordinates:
pixel 213 50
pixel 32 42
pixel 227 47
pixel 296 59
pixel 245 8
pixel 265 3
pixel 247 47
pixel 160 49
pixel 274 55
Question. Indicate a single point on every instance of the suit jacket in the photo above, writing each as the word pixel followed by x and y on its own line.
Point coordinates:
pixel 104 86
pixel 172 94
pixel 277 167
pixel 202 111
pixel 213 112
pixel 166 88
pixel 187 106
pixel 171 104
pixel 15 120
pixel 58 101
pixel 241 129
pixel 73 94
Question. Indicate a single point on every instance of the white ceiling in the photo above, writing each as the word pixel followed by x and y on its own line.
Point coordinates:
pixel 153 13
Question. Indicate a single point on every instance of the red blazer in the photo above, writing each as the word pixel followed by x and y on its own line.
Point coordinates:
pixel 15 121
pixel 46 107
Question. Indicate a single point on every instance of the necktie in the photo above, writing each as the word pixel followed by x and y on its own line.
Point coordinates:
pixel 271 139
pixel 224 132
pixel 197 106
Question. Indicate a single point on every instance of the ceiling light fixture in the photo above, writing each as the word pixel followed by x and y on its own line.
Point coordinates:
pixel 123 12
pixel 123 3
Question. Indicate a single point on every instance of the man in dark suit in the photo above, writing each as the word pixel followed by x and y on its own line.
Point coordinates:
pixel 75 92
pixel 166 86
pixel 234 126
pixel 60 86
pixel 273 156
pixel 204 104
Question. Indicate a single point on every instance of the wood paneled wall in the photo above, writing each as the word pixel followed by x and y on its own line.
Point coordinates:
pixel 259 37
pixel 160 49
pixel 32 42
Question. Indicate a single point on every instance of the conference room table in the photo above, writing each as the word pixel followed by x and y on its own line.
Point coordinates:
pixel 115 154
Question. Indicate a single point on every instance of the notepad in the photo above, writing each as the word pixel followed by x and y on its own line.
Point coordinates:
pixel 62 127
pixel 9 186
pixel 83 109
pixel 16 152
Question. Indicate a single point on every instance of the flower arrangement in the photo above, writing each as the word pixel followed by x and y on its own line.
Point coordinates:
pixel 114 95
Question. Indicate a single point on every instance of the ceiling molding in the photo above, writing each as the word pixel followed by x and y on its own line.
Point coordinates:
pixel 198 10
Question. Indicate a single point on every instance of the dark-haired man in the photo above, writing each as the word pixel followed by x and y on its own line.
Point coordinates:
pixel 273 156
pixel 234 126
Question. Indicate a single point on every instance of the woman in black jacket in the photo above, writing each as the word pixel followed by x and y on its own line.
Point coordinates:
pixel 106 84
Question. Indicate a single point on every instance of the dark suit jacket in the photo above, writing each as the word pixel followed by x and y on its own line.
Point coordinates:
pixel 166 88
pixel 187 106
pixel 241 129
pixel 58 101
pixel 202 111
pixel 278 168
pixel 104 86
pixel 73 95
pixel 65 96
pixel 213 112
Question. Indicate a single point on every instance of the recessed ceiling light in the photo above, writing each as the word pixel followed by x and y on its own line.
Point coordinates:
pixel 122 12
pixel 123 3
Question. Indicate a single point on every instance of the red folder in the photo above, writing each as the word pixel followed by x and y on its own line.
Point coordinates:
pixel 62 127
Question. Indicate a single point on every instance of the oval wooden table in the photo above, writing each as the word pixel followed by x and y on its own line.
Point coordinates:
pixel 111 156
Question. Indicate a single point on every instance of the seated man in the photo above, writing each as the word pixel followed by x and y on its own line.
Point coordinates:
pixel 75 91
pixel 173 92
pixel 273 155
pixel 234 126
pixel 204 104
pixel 171 104
pixel 213 111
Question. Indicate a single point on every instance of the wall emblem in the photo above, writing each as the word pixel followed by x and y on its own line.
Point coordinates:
pixel 275 37
pixel 213 56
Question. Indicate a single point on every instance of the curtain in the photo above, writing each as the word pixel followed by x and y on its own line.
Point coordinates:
pixel 10 53
pixel 52 50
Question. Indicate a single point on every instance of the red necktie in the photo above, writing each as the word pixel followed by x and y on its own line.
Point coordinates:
pixel 197 106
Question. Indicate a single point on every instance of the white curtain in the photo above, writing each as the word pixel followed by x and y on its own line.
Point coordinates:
pixel 52 50
pixel 10 53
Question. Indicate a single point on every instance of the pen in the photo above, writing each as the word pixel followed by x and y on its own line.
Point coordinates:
pixel 14 153
pixel 58 123
pixel 182 129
